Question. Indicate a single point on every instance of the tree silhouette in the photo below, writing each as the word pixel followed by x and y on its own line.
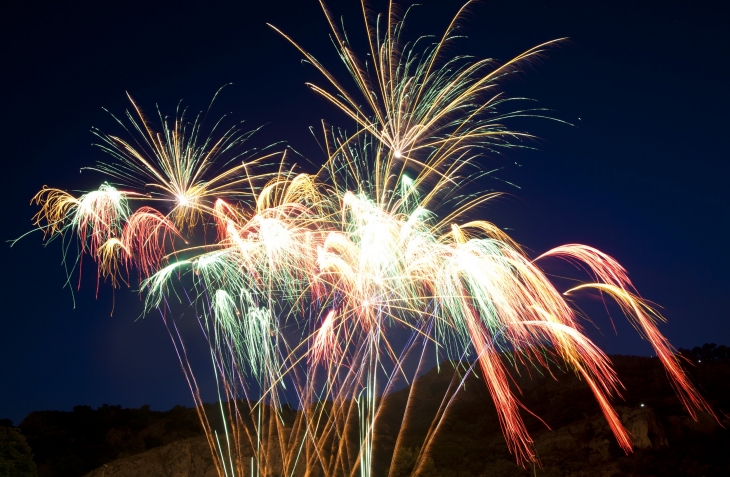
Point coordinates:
pixel 16 458
pixel 707 353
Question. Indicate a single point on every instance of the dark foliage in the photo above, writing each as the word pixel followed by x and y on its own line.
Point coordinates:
pixel 69 444
pixel 16 458
pixel 708 353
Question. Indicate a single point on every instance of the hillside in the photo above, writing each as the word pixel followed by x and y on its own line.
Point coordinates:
pixel 130 442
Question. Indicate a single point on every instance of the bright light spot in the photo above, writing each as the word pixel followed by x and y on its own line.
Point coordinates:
pixel 397 154
pixel 349 198
pixel 183 201
pixel 642 404
pixel 274 234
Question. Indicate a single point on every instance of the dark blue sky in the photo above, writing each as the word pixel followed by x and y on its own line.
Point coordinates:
pixel 643 175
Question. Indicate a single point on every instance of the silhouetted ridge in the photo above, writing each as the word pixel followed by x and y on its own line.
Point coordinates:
pixel 468 441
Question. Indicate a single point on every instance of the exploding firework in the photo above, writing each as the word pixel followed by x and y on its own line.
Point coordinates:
pixel 319 288
pixel 180 172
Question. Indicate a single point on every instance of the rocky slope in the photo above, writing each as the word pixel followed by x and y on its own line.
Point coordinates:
pixel 185 458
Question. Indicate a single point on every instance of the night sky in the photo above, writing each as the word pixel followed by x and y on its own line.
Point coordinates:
pixel 642 174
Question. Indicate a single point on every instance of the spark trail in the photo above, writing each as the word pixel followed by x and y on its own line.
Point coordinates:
pixel 324 285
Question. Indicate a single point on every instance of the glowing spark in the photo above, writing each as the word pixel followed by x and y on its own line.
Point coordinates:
pixel 312 280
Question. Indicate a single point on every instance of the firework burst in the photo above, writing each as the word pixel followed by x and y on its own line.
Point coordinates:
pixel 318 287
pixel 179 165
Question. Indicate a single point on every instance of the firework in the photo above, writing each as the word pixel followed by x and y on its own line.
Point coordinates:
pixel 423 112
pixel 177 170
pixel 318 287
pixel 178 165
